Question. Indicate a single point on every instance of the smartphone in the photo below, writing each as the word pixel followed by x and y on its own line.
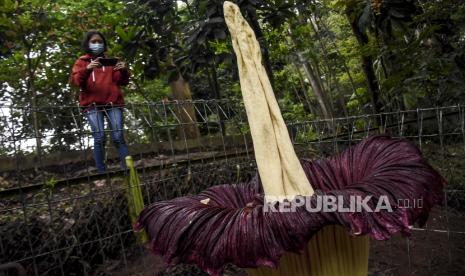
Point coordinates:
pixel 108 61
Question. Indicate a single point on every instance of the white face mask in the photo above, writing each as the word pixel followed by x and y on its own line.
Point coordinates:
pixel 96 48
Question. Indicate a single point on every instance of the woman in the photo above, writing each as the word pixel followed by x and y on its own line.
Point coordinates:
pixel 100 96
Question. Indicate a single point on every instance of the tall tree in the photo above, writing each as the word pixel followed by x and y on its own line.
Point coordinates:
pixel 354 12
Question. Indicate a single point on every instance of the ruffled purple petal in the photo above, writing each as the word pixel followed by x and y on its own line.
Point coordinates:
pixel 233 228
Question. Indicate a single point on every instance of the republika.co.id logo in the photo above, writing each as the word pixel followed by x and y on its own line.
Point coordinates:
pixel 340 204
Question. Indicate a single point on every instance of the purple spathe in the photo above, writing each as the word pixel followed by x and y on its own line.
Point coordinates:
pixel 233 228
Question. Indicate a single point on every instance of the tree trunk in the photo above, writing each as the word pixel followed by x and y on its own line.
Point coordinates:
pixel 185 111
pixel 212 75
pixel 367 61
pixel 316 87
pixel 30 85
pixel 215 86
pixel 35 120
pixel 333 42
pixel 304 90
pixel 327 92
pixel 331 69
pixel 315 81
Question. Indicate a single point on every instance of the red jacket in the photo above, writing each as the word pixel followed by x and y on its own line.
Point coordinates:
pixel 106 87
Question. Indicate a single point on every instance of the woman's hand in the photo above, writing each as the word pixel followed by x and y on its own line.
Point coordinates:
pixel 94 64
pixel 120 65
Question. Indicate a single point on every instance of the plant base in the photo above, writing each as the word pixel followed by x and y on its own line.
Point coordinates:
pixel 332 251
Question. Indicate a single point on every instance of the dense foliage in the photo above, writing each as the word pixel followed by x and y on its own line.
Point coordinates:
pixel 325 58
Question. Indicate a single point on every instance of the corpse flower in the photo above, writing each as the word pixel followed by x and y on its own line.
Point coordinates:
pixel 228 224
pixel 243 224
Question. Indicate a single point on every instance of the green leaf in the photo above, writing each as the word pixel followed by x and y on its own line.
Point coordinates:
pixel 122 34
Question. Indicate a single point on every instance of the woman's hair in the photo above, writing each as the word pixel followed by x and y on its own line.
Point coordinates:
pixel 88 35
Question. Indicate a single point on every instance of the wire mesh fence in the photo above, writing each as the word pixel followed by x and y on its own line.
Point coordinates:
pixel 58 216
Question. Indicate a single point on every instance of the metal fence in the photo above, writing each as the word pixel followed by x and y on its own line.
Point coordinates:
pixel 59 217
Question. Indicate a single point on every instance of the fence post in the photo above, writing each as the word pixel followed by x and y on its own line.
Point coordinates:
pixel 134 196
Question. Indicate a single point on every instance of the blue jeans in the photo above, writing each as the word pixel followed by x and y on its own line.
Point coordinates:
pixel 97 124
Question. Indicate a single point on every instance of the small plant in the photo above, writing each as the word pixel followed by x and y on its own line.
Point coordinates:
pixel 50 185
